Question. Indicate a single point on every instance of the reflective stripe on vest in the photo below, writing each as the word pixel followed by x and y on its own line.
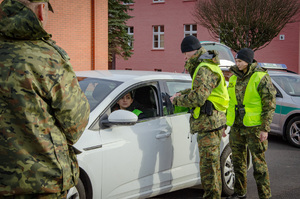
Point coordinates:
pixel 219 95
pixel 252 101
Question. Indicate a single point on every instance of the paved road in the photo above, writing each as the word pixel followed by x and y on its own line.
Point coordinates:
pixel 284 167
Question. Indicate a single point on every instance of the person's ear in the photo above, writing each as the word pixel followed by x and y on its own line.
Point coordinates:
pixel 40 12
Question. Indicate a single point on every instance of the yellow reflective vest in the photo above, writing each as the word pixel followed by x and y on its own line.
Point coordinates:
pixel 252 101
pixel 219 95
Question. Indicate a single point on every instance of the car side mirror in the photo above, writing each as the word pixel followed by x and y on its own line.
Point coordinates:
pixel 121 117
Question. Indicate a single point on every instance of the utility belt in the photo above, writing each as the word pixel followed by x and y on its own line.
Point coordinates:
pixel 207 108
pixel 240 111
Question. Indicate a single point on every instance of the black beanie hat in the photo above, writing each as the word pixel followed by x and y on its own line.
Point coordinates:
pixel 245 54
pixel 190 43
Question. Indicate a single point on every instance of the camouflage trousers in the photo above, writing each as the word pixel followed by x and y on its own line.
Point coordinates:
pixel 209 152
pixel 62 195
pixel 238 144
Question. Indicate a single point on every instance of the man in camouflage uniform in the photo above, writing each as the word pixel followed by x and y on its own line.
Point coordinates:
pixel 43 111
pixel 209 123
pixel 251 107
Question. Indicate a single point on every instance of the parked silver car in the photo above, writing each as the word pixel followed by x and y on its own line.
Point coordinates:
pixel 286 120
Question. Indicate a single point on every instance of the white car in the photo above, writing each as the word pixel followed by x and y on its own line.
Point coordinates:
pixel 126 157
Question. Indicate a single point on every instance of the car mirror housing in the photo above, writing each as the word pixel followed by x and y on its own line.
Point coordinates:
pixel 121 117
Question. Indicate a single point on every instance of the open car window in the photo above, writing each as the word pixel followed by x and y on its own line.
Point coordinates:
pixel 172 88
pixel 145 102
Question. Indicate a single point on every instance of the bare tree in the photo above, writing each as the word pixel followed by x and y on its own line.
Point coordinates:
pixel 245 23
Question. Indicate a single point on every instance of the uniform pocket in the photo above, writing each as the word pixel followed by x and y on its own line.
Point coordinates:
pixel 263 146
pixel 256 145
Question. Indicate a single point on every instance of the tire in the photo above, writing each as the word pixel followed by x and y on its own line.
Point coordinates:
pixel 77 192
pixel 293 131
pixel 227 173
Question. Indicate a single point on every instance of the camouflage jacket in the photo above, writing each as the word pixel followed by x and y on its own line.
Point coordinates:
pixel 205 81
pixel 266 91
pixel 43 111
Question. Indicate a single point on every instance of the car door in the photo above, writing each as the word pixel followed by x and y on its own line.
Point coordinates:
pixel 185 167
pixel 137 159
pixel 276 126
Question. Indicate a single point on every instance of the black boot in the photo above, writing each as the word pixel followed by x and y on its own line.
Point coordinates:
pixel 236 196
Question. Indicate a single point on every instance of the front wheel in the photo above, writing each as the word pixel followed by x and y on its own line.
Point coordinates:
pixel 227 173
pixel 293 131
pixel 77 192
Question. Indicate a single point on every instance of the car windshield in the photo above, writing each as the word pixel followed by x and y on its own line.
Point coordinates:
pixel 290 84
pixel 96 89
pixel 224 52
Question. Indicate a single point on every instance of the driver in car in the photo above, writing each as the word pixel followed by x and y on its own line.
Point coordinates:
pixel 127 103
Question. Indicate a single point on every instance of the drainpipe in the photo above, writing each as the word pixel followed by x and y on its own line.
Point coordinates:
pixel 93 35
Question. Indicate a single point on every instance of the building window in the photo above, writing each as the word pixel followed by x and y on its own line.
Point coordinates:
pixel 158 1
pixel 130 33
pixel 190 29
pixel 127 3
pixel 158 37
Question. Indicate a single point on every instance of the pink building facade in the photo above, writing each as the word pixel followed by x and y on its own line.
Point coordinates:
pixel 158 27
pixel 80 28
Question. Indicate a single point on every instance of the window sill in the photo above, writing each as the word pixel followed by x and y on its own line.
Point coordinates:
pixel 158 3
pixel 129 4
pixel 158 49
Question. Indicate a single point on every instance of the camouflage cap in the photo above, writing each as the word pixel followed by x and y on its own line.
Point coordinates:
pixel 49 5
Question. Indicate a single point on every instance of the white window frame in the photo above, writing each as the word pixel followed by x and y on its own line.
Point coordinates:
pixel 128 3
pixel 159 35
pixel 131 34
pixel 158 1
pixel 191 31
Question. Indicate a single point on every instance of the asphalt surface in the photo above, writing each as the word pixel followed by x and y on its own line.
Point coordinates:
pixel 284 168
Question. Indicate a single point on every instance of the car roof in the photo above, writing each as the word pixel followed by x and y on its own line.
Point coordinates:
pixel 213 43
pixel 281 73
pixel 225 55
pixel 132 75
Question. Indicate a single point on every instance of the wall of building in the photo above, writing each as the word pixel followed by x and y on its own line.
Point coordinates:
pixel 80 28
pixel 283 51
pixel 100 35
pixel 173 14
